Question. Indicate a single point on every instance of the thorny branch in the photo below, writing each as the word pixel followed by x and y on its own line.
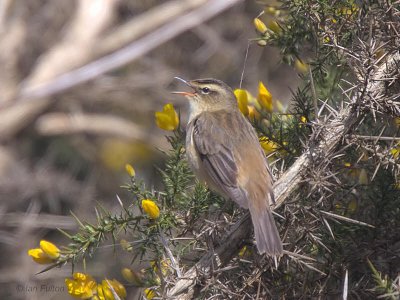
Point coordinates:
pixel 325 141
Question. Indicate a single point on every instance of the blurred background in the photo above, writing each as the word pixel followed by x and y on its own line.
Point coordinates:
pixel 65 150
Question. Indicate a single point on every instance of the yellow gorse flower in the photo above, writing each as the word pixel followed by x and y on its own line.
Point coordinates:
pixel 242 251
pixel 39 256
pixel 119 288
pixel 245 252
pixel 130 170
pixel 107 288
pixel 272 11
pixel 81 286
pixel 50 249
pixel 264 97
pixel 165 265
pixel 149 294
pixel 274 26
pixel 241 97
pixel 301 66
pixel 253 113
pixel 103 294
pixel 268 145
pixel 395 151
pixel 167 119
pixel 125 245
pixel 150 208
pixel 132 277
pixel 345 11
pixel 47 253
pixel 260 26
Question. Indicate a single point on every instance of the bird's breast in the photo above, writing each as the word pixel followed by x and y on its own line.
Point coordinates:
pixel 192 155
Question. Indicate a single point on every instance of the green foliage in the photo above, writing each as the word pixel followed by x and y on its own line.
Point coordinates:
pixel 176 175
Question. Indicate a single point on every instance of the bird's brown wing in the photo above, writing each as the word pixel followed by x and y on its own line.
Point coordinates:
pixel 215 149
pixel 236 166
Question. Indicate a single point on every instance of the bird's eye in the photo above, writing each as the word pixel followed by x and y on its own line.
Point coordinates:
pixel 205 90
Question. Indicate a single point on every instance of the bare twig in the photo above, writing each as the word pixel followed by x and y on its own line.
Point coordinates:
pixel 75 48
pixel 342 218
pixel 314 94
pixel 39 221
pixel 128 53
pixel 375 138
pixel 346 285
pixel 103 125
pixel 174 262
pixel 70 52
pixel 145 23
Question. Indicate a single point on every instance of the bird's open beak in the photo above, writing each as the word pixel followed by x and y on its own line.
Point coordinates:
pixel 190 94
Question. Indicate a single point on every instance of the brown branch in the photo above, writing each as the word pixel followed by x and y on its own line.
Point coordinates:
pixel 70 52
pixel 99 125
pixel 129 53
pixel 329 136
pixel 46 81
pixel 145 23
pixel 76 46
pixel 12 38
pixel 35 220
pixel 375 138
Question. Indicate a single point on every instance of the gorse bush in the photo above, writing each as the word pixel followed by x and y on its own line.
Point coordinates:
pixel 340 225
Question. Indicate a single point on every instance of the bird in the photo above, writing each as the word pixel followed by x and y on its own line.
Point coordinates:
pixel 223 150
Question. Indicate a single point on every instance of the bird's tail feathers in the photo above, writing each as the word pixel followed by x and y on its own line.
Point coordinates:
pixel 266 233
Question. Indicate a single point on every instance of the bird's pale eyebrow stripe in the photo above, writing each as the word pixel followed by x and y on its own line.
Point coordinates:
pixel 207 81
